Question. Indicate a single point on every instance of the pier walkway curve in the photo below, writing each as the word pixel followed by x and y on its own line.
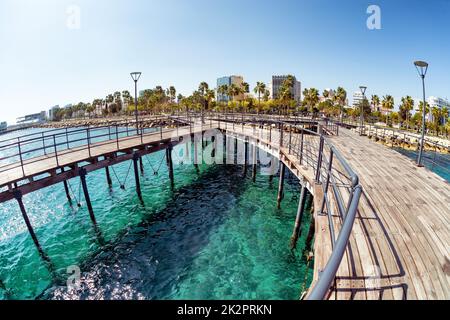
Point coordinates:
pixel 381 223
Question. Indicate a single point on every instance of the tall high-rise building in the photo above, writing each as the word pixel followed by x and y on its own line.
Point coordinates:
pixel 357 99
pixel 277 82
pixel 228 80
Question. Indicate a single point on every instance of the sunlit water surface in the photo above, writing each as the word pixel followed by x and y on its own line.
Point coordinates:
pixel 217 235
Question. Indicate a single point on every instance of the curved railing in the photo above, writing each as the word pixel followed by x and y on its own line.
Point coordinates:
pixel 340 184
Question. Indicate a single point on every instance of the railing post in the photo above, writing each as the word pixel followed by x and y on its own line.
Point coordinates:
pixel 327 184
pixel 290 138
pixel 20 156
pixel 89 141
pixel 301 145
pixel 43 143
pixel 56 150
pixel 117 136
pixel 319 159
pixel 67 138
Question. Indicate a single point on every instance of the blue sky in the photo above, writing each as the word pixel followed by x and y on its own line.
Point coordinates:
pixel 183 42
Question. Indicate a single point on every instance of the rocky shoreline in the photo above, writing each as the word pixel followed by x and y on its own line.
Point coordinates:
pixel 147 122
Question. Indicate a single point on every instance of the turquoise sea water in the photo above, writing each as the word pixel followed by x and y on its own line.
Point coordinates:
pixel 217 235
pixel 437 162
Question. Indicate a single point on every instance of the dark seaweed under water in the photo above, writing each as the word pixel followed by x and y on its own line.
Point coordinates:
pixel 217 235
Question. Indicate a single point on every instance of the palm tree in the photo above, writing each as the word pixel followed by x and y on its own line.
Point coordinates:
pixel 202 89
pixel 266 96
pixel 243 88
pixel 260 89
pixel 172 94
pixel 222 91
pixel 387 104
pixel 233 91
pixel 375 102
pixel 406 107
pixel 340 98
pixel 310 98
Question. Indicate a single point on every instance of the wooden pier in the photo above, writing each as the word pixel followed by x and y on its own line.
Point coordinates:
pixel 399 242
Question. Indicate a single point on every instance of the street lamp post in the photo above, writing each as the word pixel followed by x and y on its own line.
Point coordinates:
pixel 135 76
pixel 361 116
pixel 422 68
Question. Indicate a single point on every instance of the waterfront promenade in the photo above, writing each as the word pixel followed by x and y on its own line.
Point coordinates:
pixel 399 242
pixel 399 248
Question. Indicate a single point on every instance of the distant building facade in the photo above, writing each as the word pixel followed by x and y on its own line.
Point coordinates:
pixel 357 99
pixel 3 126
pixel 277 82
pixel 439 103
pixel 32 118
pixel 52 113
pixel 228 80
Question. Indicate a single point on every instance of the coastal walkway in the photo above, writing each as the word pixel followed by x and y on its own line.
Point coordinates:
pixel 400 242
pixel 384 221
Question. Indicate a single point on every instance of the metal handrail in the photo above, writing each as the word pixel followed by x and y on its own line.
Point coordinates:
pixel 87 141
pixel 326 173
pixel 315 156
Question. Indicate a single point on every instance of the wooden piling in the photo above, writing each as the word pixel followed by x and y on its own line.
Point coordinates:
pixel 170 164
pixel 254 162
pixel 108 177
pixel 141 165
pixel 82 174
pixel 296 233
pixel 18 196
pixel 281 185
pixel 245 157
pixel 66 189
pixel 136 176
pixel 196 154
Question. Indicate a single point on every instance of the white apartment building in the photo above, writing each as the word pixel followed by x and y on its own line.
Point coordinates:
pixel 357 99
pixel 435 102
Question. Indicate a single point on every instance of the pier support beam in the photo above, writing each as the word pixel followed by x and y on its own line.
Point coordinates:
pixel 136 176
pixel 108 177
pixel 170 164
pixel 141 165
pixel 83 173
pixel 66 189
pixel 245 157
pixel 18 196
pixel 298 219
pixel 281 185
pixel 254 162
pixel 235 150
pixel 196 155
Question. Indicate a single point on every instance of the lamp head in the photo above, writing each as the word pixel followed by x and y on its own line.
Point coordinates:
pixel 363 89
pixel 421 67
pixel 135 75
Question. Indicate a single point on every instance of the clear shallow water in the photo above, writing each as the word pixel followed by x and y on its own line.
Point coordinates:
pixel 443 161
pixel 216 236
